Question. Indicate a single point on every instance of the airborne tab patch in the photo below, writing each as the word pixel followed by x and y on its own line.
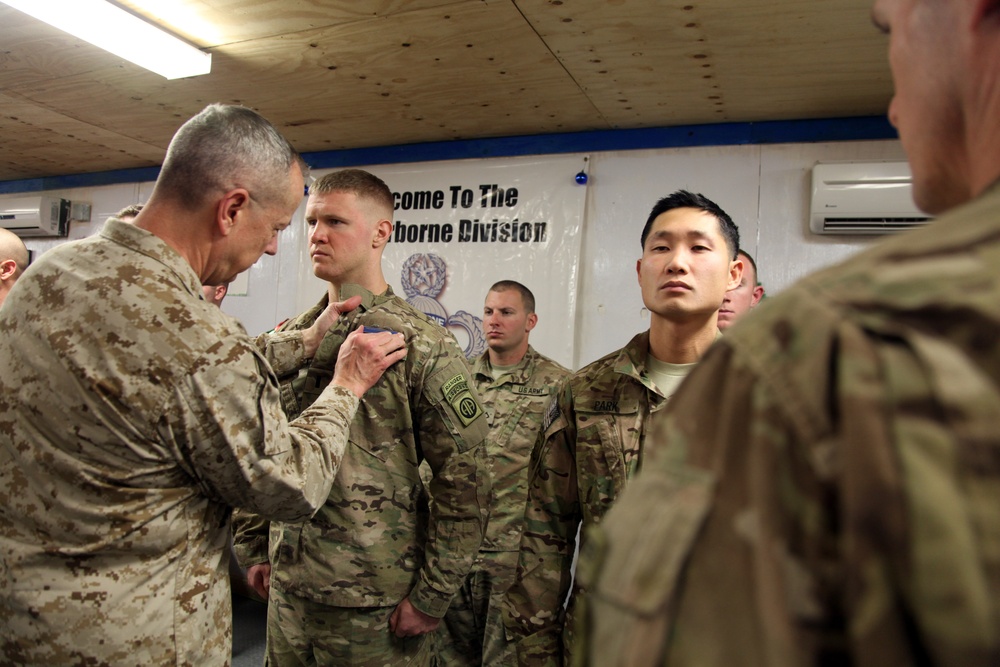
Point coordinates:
pixel 457 395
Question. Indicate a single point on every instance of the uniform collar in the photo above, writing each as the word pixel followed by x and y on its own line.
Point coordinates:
pixel 155 248
pixel 368 299
pixel 520 374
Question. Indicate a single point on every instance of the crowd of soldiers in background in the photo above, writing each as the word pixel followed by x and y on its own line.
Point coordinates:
pixel 817 485
pixel 527 402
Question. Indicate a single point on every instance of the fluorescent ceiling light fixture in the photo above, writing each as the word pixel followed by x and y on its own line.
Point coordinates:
pixel 115 30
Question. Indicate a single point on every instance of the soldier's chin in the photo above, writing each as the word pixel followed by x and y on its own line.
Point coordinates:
pixel 323 272
pixel 229 278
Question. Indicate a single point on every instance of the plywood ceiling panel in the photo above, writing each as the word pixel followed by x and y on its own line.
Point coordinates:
pixel 348 74
pixel 658 63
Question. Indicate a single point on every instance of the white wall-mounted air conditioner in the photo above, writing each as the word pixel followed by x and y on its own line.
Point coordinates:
pixel 863 198
pixel 35 215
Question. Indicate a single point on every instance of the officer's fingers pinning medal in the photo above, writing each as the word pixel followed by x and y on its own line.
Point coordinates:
pixel 392 343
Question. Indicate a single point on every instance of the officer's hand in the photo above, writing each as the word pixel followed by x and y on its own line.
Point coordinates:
pixel 259 578
pixel 313 336
pixel 365 357
pixel 407 621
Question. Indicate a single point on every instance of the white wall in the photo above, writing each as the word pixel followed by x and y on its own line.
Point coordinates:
pixel 764 188
pixel 105 201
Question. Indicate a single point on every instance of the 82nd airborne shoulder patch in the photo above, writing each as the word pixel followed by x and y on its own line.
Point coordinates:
pixel 457 395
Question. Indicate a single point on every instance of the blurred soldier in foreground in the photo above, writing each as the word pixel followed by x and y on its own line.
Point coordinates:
pixel 133 414
pixel 516 384
pixel 13 261
pixel 595 428
pixel 744 297
pixel 372 573
pixel 825 490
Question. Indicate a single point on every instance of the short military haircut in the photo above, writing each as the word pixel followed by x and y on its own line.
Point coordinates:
pixel 225 147
pixel 685 199
pixel 129 211
pixel 527 298
pixel 753 264
pixel 363 184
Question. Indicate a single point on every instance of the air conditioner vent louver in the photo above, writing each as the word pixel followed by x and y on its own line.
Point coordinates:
pixel 35 215
pixel 863 198
pixel 872 225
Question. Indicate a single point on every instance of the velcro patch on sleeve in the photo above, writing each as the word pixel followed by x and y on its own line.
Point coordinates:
pixel 551 414
pixel 457 395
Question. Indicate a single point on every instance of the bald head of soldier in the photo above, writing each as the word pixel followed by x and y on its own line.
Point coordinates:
pixel 229 183
pixel 13 261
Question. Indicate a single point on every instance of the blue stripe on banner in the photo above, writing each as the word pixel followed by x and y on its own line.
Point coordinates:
pixel 720 134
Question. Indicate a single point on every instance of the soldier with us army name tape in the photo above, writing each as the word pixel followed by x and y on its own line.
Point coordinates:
pixel 372 573
pixel 593 436
pixel 516 384
pixel 825 487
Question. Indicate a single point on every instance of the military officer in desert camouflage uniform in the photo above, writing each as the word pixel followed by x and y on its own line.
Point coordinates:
pixel 516 384
pixel 825 489
pixel 594 433
pixel 133 414
pixel 365 580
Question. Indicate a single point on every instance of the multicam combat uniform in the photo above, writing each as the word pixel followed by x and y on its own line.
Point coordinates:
pixel 826 487
pixel 591 446
pixel 376 541
pixel 132 415
pixel 515 403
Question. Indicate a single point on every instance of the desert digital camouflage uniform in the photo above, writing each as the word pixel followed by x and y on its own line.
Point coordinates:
pixel 826 487
pixel 376 540
pixel 472 632
pixel 132 415
pixel 591 446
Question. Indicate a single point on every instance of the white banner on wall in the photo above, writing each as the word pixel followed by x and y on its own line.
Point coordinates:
pixel 461 226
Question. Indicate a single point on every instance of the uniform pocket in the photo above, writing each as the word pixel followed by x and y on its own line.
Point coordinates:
pixel 644 544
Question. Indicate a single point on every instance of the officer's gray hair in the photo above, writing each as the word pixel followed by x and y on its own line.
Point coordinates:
pixel 224 147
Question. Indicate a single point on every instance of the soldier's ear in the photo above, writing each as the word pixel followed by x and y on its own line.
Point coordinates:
pixel 229 207
pixel 532 321
pixel 7 268
pixel 735 273
pixel 383 232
